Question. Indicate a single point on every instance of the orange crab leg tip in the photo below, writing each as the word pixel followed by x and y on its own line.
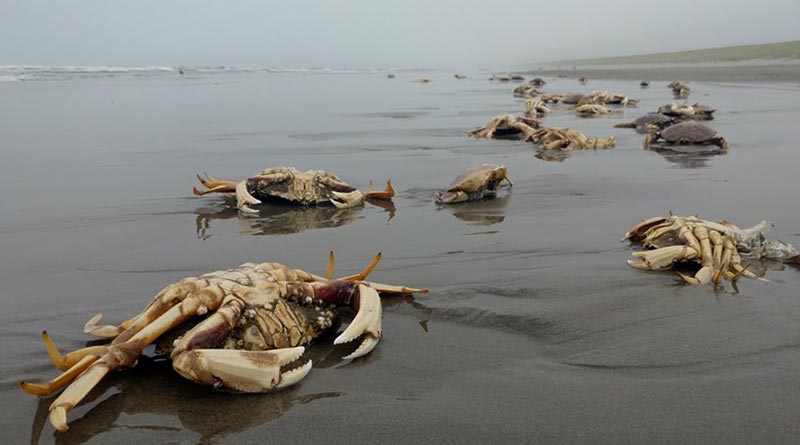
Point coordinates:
pixel 386 193
pixel 329 272
pixel 361 276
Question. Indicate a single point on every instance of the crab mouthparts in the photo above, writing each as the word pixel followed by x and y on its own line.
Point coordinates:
pixel 346 200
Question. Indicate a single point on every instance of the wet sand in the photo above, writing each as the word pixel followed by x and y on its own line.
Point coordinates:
pixel 534 329
pixel 758 72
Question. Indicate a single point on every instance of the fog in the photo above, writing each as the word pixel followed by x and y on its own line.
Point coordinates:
pixel 409 33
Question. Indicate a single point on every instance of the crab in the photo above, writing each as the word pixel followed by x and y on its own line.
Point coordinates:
pixel 248 322
pixel 311 187
pixel 604 97
pixel 526 90
pixel 649 122
pixel 687 133
pixel 680 90
pixel 716 247
pixel 583 79
pixel 586 110
pixel 507 126
pixel 460 76
pixel 644 83
pixel 562 98
pixel 538 82
pixel 474 184
pixel 694 111
pixel 536 107
pixel 568 139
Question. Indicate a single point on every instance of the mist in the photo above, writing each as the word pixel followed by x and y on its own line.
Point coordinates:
pixel 411 33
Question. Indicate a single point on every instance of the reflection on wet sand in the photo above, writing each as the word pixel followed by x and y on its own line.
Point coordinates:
pixel 552 155
pixel 154 392
pixel 386 204
pixel 688 156
pixel 277 219
pixel 481 213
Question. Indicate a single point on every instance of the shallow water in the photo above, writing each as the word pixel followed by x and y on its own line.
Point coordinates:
pixel 534 327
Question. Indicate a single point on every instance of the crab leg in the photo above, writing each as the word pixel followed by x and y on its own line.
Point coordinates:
pixel 663 258
pixel 367 270
pixel 64 362
pixel 211 182
pixel 725 260
pixel 126 353
pixel 387 192
pixel 43 389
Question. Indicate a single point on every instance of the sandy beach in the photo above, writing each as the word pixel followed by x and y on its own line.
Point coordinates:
pixel 534 329
pixel 757 72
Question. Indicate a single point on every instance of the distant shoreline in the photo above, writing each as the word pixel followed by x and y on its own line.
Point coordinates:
pixel 762 72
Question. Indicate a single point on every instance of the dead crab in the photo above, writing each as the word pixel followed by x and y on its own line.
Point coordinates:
pixel 248 323
pixel 687 133
pixel 649 123
pixel 569 139
pixel 604 98
pixel 694 111
pixel 587 110
pixel 507 126
pixel 536 107
pixel 680 90
pixel 716 247
pixel 311 187
pixel 526 90
pixel 474 184
pixel 562 98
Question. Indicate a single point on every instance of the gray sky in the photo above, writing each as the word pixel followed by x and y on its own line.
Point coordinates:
pixel 407 33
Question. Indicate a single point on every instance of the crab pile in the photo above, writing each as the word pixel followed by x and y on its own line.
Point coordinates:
pixel 591 109
pixel 568 139
pixel 507 126
pixel 716 248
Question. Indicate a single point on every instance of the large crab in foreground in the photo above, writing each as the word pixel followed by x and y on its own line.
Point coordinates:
pixel 311 187
pixel 248 323
pixel 474 184
pixel 717 248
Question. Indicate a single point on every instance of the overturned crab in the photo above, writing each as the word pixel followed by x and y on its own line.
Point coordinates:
pixel 526 90
pixel 248 323
pixel 474 184
pixel 717 248
pixel 590 109
pixel 536 107
pixel 562 98
pixel 604 98
pixel 507 126
pixel 569 139
pixel 694 111
pixel 311 187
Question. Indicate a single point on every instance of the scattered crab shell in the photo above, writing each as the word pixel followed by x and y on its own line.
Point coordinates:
pixel 562 98
pixel 644 83
pixel 460 76
pixel 583 79
pixel 538 81
pixel 717 248
pixel 507 126
pixel 569 139
pixel 474 184
pixel 687 133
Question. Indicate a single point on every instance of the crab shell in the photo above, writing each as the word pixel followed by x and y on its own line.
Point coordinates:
pixel 475 183
pixel 648 122
pixel 687 133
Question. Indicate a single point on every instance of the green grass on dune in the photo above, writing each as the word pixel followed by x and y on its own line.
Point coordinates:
pixel 782 50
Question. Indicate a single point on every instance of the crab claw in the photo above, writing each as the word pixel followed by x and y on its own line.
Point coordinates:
pixel 244 199
pixel 242 371
pixel 346 200
pixel 366 324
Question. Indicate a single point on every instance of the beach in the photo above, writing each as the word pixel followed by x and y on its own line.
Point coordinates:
pixel 534 328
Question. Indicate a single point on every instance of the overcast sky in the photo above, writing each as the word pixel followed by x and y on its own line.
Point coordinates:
pixel 404 33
